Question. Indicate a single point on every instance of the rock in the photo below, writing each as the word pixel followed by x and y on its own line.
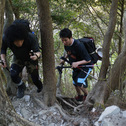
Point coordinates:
pixel 26 98
pixel 52 124
pixel 112 116
pixel 109 110
pixel 124 113
pixel 32 108
pixel 114 120
pixel 25 113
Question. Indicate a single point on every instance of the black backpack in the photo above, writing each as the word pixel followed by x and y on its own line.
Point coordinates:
pixel 24 22
pixel 90 46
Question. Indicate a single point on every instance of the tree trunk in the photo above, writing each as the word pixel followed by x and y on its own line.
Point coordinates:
pixel 8 14
pixel 47 51
pixel 107 39
pixel 2 5
pixel 103 87
pixel 121 10
pixel 11 88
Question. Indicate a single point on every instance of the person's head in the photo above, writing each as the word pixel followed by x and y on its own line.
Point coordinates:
pixel 66 36
pixel 16 34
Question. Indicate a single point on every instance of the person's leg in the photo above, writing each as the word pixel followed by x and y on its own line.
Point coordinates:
pixel 33 70
pixel 14 72
pixel 36 80
pixel 84 85
pixel 82 81
pixel 78 90
pixel 84 90
pixel 79 96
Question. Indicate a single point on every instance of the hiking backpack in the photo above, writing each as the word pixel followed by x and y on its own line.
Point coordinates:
pixel 24 22
pixel 90 46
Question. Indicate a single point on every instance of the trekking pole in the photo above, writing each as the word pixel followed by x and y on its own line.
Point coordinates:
pixel 59 68
pixel 3 64
pixel 77 67
pixel 88 74
pixel 32 53
pixel 60 75
pixel 63 58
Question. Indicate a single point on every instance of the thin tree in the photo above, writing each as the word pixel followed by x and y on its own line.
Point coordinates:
pixel 47 51
pixel 104 87
pixel 7 21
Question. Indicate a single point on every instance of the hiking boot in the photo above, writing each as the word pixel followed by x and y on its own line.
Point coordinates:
pixel 79 98
pixel 40 89
pixel 20 90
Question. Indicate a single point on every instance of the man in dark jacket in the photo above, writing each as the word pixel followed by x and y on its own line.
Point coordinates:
pixel 77 55
pixel 21 42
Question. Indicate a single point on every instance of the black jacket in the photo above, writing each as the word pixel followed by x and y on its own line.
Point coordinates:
pixel 77 52
pixel 21 53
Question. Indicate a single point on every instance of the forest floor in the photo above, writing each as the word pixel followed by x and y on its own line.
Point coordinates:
pixel 65 112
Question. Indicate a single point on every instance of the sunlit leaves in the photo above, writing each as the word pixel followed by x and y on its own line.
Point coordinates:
pixel 23 5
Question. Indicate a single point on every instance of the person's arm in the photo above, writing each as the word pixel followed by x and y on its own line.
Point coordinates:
pixel 34 47
pixel 3 52
pixel 3 60
pixel 63 61
pixel 36 56
pixel 76 64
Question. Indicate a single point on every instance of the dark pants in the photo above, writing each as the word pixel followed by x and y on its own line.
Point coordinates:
pixel 80 77
pixel 32 68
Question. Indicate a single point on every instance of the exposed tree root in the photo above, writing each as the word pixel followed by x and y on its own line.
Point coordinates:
pixel 38 102
pixel 65 115
pixel 70 105
pixel 67 103
pixel 78 108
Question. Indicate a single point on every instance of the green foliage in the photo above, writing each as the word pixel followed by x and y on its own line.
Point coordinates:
pixel 104 1
pixel 62 17
pixel 24 6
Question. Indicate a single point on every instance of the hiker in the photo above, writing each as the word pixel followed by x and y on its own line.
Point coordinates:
pixel 21 42
pixel 78 56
